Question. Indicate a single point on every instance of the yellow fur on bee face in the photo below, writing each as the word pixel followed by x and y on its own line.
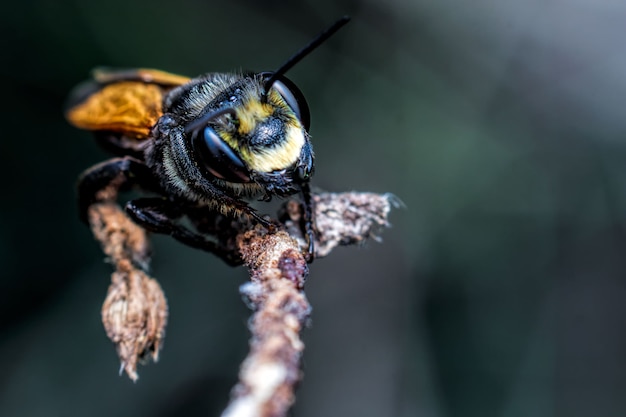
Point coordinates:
pixel 280 156
pixel 276 157
pixel 250 114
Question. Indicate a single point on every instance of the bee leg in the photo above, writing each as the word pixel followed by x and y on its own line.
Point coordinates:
pixel 103 182
pixel 308 221
pixel 268 224
pixel 159 215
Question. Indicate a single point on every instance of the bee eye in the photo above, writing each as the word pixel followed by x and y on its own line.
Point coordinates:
pixel 217 157
pixel 292 96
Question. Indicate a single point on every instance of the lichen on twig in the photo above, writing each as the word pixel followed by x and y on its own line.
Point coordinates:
pixel 135 311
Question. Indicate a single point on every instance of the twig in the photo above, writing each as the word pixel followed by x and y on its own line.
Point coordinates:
pixel 278 272
pixel 272 369
pixel 135 312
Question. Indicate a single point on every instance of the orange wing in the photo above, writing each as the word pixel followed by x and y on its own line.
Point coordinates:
pixel 105 75
pixel 128 102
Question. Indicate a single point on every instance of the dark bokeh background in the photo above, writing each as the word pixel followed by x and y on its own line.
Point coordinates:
pixel 499 291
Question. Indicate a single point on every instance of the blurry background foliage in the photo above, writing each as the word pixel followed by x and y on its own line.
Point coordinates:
pixel 499 291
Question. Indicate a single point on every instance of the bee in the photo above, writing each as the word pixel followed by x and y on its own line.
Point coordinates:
pixel 203 146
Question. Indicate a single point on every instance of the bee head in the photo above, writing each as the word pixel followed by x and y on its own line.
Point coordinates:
pixel 256 130
pixel 253 133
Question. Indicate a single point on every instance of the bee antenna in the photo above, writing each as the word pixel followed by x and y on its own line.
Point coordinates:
pixel 202 121
pixel 297 57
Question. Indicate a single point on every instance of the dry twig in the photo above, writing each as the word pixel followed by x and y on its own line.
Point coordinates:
pixel 276 293
pixel 135 311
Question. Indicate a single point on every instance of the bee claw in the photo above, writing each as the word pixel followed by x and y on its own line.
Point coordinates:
pixel 272 225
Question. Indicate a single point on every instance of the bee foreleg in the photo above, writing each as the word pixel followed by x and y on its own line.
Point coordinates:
pixel 308 221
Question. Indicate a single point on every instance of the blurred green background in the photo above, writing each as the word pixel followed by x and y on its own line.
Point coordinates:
pixel 498 292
